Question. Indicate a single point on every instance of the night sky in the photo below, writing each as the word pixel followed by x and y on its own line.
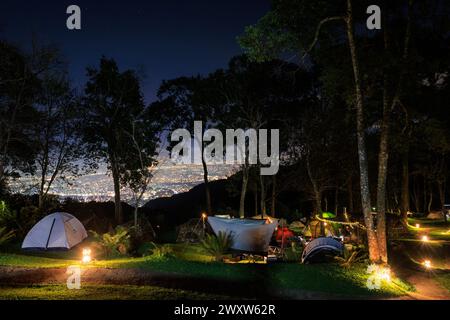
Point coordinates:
pixel 164 38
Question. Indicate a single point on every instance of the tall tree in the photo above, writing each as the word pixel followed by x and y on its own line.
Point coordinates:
pixel 59 150
pixel 112 103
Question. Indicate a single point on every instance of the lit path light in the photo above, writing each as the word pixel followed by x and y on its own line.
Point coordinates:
pixel 417 225
pixel 424 238
pixel 427 264
pixel 379 274
pixel 86 255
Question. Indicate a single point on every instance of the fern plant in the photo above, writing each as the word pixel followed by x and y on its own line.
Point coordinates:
pixel 5 236
pixel 160 251
pixel 351 257
pixel 113 244
pixel 218 245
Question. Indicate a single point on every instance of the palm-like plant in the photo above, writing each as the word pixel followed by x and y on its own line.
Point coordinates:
pixel 350 258
pixel 113 244
pixel 218 245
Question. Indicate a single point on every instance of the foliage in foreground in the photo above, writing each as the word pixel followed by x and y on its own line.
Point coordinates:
pixel 99 292
pixel 113 244
pixel 5 235
pixel 158 251
pixel 218 245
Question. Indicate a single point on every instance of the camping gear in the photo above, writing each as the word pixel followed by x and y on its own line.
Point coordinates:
pixel 248 235
pixel 262 217
pixel 297 226
pixel 283 235
pixel 58 230
pixel 322 249
pixel 435 215
pixel 328 215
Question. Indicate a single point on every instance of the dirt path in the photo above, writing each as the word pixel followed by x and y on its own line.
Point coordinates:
pixel 427 288
pixel 29 276
pixel 238 289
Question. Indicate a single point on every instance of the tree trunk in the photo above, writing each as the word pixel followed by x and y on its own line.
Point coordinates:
pixel 243 192
pixel 350 194
pixel 117 204
pixel 404 205
pixel 430 201
pixel 336 204
pixel 441 190
pixel 136 209
pixel 274 189
pixel 207 192
pixel 263 196
pixel 255 193
pixel 374 253
pixel 383 157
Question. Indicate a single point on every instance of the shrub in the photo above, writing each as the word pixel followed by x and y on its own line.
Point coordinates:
pixel 293 253
pixel 158 251
pixel 218 245
pixel 27 218
pixel 113 244
pixel 352 255
pixel 5 236
pixel 8 217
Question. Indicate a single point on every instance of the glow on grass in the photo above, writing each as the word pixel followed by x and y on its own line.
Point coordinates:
pixel 86 255
pixel 379 274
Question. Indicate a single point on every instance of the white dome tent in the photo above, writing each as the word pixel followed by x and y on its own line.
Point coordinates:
pixel 58 230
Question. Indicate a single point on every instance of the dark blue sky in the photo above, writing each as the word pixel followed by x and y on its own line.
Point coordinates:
pixel 165 38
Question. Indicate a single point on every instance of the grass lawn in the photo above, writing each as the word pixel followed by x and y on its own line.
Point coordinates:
pixel 434 229
pixel 99 292
pixel 190 260
pixel 444 280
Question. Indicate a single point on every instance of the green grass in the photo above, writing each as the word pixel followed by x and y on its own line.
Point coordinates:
pixel 444 280
pixel 12 259
pixel 331 278
pixel 435 229
pixel 192 261
pixel 99 292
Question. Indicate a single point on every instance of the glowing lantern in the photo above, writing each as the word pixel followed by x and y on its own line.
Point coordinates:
pixel 384 273
pixel 427 264
pixel 417 225
pixel 86 255
pixel 204 216
pixel 425 238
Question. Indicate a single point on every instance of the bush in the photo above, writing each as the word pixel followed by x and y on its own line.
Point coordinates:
pixel 5 236
pixel 293 253
pixel 113 244
pixel 28 217
pixel 8 217
pixel 158 251
pixel 352 255
pixel 218 246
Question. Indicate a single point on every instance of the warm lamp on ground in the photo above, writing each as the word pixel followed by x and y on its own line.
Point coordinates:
pixel 86 255
pixel 425 238
pixel 427 264
pixel 417 225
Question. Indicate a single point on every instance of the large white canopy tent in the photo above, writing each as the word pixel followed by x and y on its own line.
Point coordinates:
pixel 58 230
pixel 248 235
